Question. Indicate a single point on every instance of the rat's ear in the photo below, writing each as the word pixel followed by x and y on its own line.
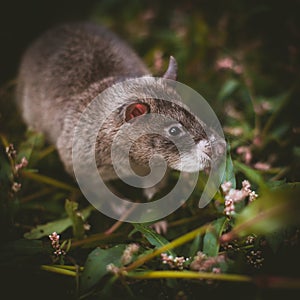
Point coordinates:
pixel 135 110
pixel 171 72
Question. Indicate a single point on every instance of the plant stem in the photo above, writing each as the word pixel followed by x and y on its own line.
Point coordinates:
pixel 177 242
pixel 261 281
pixel 189 275
pixel 239 229
pixel 48 180
pixel 36 195
pixel 99 237
pixel 59 270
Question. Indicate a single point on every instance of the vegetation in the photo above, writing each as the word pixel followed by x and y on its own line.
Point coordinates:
pixel 243 57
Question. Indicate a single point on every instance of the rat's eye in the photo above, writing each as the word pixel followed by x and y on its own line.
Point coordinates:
pixel 175 130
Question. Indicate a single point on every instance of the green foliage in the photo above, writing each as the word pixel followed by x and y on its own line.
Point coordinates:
pixel 275 209
pixel 249 173
pixel 153 238
pixel 211 238
pixel 229 175
pixel 75 219
pixel 96 265
pixel 228 89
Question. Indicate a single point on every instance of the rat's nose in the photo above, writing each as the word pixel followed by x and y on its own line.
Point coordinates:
pixel 219 147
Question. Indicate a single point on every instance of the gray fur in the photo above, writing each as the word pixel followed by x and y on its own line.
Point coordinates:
pixel 70 65
pixel 63 64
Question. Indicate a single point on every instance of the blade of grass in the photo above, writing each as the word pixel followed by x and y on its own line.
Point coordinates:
pixel 99 237
pixel 48 180
pixel 36 195
pixel 46 152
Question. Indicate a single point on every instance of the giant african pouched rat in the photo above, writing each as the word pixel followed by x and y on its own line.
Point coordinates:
pixel 68 66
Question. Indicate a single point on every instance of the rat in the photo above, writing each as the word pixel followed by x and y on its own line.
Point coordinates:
pixel 69 65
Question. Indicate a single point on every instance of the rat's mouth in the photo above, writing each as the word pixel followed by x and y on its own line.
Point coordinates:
pixel 206 158
pixel 218 148
pixel 212 150
pixel 204 150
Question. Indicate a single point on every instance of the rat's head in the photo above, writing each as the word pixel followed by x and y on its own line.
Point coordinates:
pixel 157 122
pixel 170 130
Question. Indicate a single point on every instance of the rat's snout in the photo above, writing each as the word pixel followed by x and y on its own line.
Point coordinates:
pixel 218 147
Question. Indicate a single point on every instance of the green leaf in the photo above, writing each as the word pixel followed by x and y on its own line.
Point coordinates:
pixel 278 104
pixel 55 226
pixel 279 132
pixel 195 246
pixel 96 265
pixel 276 184
pixel 46 229
pixel 252 175
pixel 34 141
pixel 153 238
pixel 228 89
pixel 229 170
pixel 211 238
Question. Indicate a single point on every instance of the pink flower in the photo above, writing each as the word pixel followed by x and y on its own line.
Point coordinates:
pixel 233 196
pixel 112 269
pixel 128 253
pixel 226 187
pixel 262 166
pixel 246 152
pixel 22 164
pixel 54 237
pixel 16 187
pixel 203 263
pixel 235 131
pixel 225 63
pixel 11 152
pixel 230 64
pixel 174 262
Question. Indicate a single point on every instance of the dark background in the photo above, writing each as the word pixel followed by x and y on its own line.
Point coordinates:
pixel 265 34
pixel 22 21
pixel 275 23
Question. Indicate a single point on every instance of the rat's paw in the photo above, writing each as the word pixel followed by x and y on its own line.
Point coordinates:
pixel 161 227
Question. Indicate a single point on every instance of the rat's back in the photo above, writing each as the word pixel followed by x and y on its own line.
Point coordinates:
pixel 64 63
